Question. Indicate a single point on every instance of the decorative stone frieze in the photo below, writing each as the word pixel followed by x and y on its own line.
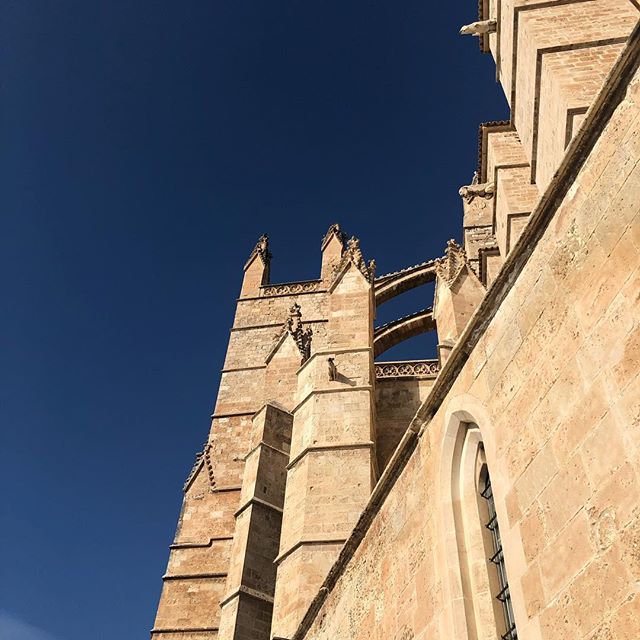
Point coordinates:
pixel 409 368
pixel 290 288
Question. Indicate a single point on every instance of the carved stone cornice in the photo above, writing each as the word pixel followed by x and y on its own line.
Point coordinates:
pixel 449 267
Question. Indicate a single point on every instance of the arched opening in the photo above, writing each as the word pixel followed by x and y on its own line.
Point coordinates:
pixel 501 589
pixel 393 333
pixel 390 285
pixel 482 577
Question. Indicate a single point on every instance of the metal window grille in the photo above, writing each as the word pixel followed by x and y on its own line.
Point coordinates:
pixel 498 560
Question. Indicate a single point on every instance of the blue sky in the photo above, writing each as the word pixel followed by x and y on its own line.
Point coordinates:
pixel 145 147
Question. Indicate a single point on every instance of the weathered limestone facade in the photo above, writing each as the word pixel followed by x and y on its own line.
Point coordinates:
pixel 493 491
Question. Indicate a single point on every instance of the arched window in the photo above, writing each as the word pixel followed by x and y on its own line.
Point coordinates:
pixel 482 577
pixel 497 558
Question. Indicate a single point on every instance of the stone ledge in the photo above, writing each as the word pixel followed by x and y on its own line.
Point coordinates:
pixel 258 501
pixel 232 370
pixel 364 387
pixel 187 630
pixel 232 415
pixel 198 545
pixel 194 576
pixel 281 295
pixel 275 325
pixel 331 352
pixel 344 446
pixel 247 591
pixel 268 446
pixel 307 542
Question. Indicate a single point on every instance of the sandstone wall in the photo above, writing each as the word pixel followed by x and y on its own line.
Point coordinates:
pixel 553 386
pixel 204 566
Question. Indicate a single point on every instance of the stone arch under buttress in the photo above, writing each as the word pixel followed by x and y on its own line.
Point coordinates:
pixel 469 580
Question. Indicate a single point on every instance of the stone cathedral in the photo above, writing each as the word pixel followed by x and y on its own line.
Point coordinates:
pixel 494 490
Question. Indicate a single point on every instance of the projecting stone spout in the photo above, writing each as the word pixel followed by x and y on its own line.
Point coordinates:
pixel 479 28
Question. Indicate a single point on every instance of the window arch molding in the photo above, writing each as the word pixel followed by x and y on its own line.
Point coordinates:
pixel 467 451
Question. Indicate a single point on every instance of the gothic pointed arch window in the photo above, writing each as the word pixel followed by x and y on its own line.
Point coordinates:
pixel 487 607
pixel 497 558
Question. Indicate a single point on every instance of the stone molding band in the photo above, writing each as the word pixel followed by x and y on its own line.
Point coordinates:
pixel 319 392
pixel 232 415
pixel 257 501
pixel 234 369
pixel 267 446
pixel 282 295
pixel 332 352
pixel 273 324
pixel 247 591
pixel 308 542
pixel 340 446
pixel 193 576
pixel 198 545
pixel 188 630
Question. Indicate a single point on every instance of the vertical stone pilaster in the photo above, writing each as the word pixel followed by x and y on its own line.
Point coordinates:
pixel 256 270
pixel 246 608
pixel 458 293
pixel 332 250
pixel 332 467
pixel 199 556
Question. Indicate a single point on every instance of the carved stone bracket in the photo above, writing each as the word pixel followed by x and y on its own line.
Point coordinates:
pixel 449 267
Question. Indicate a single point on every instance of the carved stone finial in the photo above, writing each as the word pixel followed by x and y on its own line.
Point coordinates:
pixel 479 28
pixel 353 253
pixel 371 267
pixel 475 190
pixel 261 249
pixel 301 336
pixel 449 267
pixel 334 230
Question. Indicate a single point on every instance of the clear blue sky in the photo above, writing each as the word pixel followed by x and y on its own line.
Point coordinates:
pixel 144 148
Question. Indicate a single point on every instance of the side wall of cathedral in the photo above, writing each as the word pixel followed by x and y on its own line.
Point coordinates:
pixel 552 390
pixel 488 491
